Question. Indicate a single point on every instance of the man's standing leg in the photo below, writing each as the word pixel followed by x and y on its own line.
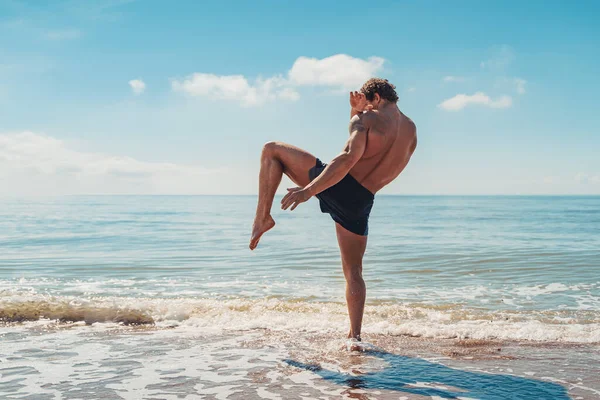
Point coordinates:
pixel 277 159
pixel 352 249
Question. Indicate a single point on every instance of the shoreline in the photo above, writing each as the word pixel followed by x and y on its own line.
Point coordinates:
pixel 285 364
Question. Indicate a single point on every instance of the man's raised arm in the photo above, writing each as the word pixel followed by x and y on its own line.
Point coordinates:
pixel 358 104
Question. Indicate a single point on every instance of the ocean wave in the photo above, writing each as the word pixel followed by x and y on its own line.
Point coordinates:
pixel 304 315
pixel 547 296
pixel 64 311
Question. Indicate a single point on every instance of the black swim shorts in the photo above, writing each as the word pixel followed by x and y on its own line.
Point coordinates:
pixel 348 202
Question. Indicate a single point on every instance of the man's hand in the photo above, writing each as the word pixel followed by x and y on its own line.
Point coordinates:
pixel 294 197
pixel 358 102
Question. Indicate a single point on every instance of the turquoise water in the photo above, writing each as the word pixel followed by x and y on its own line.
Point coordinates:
pixel 519 273
pixel 499 253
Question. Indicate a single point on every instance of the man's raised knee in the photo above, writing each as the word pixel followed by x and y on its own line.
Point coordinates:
pixel 270 148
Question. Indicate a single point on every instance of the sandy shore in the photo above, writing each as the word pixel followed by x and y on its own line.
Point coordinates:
pixel 107 361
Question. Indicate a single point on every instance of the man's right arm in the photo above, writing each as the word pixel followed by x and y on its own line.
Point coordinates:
pixel 343 163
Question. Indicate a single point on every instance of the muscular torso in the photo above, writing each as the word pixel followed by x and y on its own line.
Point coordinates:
pixel 391 140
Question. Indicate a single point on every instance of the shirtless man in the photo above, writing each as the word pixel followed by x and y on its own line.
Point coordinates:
pixel 382 140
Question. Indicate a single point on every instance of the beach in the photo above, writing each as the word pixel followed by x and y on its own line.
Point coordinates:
pixel 158 297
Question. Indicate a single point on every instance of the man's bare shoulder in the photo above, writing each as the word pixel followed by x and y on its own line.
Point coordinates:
pixel 363 121
pixel 409 125
pixel 366 118
pixel 370 115
pixel 410 133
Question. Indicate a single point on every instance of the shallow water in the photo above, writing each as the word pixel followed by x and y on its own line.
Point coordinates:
pixel 516 273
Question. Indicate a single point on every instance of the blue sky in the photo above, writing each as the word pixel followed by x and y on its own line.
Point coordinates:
pixel 179 97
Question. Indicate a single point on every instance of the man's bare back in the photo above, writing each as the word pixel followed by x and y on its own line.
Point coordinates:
pixel 382 141
pixel 391 141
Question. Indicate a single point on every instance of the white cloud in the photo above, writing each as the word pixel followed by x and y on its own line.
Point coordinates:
pixel 451 78
pixel 34 164
pixel 338 72
pixel 274 88
pixel 411 89
pixel 137 85
pixel 460 101
pixel 236 87
pixel 64 34
pixel 341 71
pixel 288 94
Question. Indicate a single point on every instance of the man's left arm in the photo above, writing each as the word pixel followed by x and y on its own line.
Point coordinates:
pixel 337 169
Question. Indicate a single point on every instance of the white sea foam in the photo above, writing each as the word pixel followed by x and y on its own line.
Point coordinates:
pixel 293 315
pixel 553 296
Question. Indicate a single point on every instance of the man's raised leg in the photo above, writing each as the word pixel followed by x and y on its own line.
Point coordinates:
pixel 352 249
pixel 277 159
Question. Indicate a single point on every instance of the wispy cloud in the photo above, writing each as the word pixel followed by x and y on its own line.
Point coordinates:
pixel 138 86
pixel 62 34
pixel 500 58
pixel 516 85
pixel 575 182
pixel 338 72
pixel 460 101
pixel 520 85
pixel 32 163
pixel 451 78
pixel 582 177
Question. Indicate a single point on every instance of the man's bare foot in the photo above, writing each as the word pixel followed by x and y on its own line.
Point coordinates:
pixel 259 227
pixel 354 344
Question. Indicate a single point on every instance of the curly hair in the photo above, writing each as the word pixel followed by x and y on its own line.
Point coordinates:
pixel 381 86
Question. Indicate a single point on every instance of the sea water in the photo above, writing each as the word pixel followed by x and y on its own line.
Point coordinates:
pixel 159 297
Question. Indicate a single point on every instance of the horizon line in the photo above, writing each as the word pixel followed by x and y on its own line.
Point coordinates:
pixel 255 195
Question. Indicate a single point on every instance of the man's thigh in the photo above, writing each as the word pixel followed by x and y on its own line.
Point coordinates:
pixel 296 162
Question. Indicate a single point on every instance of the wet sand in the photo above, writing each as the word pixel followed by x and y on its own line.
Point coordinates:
pixel 111 361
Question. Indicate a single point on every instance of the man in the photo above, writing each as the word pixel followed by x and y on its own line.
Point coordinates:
pixel 382 140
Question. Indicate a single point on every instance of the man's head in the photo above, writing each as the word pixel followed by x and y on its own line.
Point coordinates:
pixel 378 91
